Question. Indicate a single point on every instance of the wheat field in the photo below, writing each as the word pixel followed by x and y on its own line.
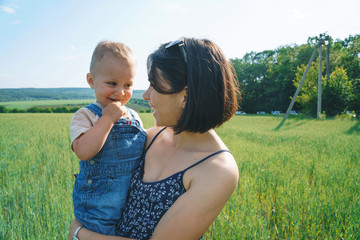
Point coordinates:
pixel 299 182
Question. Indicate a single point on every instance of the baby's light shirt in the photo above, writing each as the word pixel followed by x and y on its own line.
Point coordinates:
pixel 84 119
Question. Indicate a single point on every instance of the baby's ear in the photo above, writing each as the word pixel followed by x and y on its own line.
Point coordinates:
pixel 90 80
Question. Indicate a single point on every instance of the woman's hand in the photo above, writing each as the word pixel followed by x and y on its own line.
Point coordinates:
pixel 74 225
pixel 86 234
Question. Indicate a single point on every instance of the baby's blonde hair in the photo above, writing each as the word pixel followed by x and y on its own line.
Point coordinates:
pixel 117 49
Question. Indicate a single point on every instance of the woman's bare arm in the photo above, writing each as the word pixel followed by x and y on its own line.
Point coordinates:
pixel 194 211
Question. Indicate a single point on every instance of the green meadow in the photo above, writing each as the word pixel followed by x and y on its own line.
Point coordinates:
pixel 301 181
pixel 45 103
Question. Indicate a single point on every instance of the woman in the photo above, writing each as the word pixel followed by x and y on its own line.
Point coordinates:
pixel 187 173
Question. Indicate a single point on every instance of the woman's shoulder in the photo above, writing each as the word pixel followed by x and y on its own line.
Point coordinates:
pixel 213 181
pixel 222 162
pixel 223 165
pixel 151 134
pixel 219 169
pixel 227 166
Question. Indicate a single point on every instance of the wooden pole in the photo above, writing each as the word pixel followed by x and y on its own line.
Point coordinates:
pixel 328 60
pixel 319 82
pixel 300 84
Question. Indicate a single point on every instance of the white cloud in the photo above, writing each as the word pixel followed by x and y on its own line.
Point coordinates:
pixel 175 7
pixel 7 9
pixel 296 15
pixel 16 22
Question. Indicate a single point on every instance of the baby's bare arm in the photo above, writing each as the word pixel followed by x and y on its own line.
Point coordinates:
pixel 88 144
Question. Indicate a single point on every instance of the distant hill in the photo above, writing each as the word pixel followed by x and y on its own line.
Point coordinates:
pixel 31 94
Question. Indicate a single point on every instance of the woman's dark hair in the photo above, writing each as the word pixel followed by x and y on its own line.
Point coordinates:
pixel 212 88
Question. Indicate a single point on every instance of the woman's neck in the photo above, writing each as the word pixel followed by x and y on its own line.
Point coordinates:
pixel 196 141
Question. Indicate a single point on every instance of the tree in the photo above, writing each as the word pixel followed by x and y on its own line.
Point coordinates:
pixel 33 110
pixel 269 78
pixel 307 97
pixel 15 110
pixel 74 109
pixel 3 109
pixel 282 70
pixel 337 93
pixel 254 82
pixel 350 61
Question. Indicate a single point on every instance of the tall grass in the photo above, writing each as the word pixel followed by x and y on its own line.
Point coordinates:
pixel 36 176
pixel 299 182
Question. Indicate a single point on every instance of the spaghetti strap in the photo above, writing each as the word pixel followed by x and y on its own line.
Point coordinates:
pixel 154 139
pixel 213 154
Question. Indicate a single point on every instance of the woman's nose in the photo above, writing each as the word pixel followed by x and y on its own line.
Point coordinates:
pixel 146 94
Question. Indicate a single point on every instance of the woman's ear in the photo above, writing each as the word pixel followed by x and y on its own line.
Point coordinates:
pixel 184 96
pixel 90 80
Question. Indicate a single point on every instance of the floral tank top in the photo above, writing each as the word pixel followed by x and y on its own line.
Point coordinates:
pixel 149 201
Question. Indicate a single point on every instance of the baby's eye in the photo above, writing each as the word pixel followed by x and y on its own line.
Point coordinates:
pixel 111 83
pixel 128 85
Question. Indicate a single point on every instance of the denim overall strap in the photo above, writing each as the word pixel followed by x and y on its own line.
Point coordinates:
pixel 130 121
pixel 130 111
pixel 95 109
pixel 98 111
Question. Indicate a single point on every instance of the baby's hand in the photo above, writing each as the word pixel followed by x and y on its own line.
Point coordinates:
pixel 114 111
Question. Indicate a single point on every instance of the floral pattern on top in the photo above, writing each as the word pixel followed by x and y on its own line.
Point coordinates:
pixel 147 203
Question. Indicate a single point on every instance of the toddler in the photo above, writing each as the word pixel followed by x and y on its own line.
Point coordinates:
pixel 108 138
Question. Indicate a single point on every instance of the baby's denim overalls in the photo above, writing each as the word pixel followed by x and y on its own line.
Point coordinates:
pixel 101 188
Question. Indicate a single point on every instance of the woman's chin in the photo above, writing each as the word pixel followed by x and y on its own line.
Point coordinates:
pixel 157 122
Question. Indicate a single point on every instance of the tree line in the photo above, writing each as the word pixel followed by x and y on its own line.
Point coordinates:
pixel 63 109
pixel 269 79
pixel 139 105
pixel 30 94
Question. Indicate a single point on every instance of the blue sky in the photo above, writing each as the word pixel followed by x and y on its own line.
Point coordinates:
pixel 49 43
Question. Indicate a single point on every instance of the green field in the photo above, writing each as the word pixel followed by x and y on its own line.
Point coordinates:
pixel 135 103
pixel 43 103
pixel 299 182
